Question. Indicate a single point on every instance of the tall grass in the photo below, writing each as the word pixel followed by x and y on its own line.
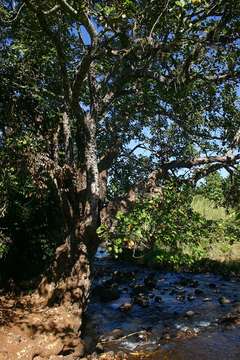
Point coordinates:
pixel 207 208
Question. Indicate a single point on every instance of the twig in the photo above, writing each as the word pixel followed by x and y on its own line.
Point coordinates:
pixel 16 16
pixel 160 15
pixel 52 10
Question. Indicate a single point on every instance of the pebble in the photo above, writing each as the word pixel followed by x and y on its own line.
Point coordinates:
pixel 190 313
pixel 99 348
pixel 204 323
pixel 166 336
pixel 117 334
pixel 141 300
pixel 224 301
pixel 126 307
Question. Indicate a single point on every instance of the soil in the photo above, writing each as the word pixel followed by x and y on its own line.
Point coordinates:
pixel 30 330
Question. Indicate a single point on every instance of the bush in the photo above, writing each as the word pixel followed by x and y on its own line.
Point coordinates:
pixel 172 229
pixel 167 228
pixel 30 216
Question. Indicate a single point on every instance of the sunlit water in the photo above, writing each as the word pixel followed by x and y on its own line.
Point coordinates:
pixel 182 317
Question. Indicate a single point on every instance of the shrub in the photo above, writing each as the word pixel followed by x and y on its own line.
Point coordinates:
pixel 178 228
pixel 165 226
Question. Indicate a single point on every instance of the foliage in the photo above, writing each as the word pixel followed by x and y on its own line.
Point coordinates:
pixel 213 189
pixel 177 229
pixel 4 244
pixel 30 216
pixel 231 188
pixel 167 224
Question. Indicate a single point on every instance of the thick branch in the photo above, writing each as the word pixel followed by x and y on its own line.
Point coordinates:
pixel 106 161
pixel 215 162
pixel 203 172
pixel 224 160
pixel 80 75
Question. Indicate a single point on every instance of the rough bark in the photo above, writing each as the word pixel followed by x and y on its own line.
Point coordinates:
pixel 67 284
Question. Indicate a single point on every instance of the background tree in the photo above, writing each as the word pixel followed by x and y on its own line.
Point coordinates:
pixel 82 80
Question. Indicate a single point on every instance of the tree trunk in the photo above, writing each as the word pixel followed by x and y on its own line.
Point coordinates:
pixel 66 288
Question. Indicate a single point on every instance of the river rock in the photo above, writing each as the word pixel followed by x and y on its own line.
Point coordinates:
pixel 224 301
pixel 99 348
pixel 52 348
pixel 180 297
pixel 4 355
pixel 236 307
pixel 108 293
pixel 166 336
pixel 190 313
pixel 199 292
pixel 158 299
pixel 141 300
pixel 112 356
pixel 117 334
pixel 150 282
pixel 126 307
pixel 138 289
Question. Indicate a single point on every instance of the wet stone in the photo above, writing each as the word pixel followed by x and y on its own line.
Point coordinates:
pixel 158 299
pixel 138 289
pixel 199 292
pixel 150 282
pixel 107 294
pixel 113 335
pixel 180 297
pixel 236 307
pixel 224 300
pixel 126 307
pixel 141 300
pixel 190 314
pixel 166 336
pixel 99 348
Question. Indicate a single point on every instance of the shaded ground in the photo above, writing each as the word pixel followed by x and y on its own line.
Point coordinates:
pixel 29 330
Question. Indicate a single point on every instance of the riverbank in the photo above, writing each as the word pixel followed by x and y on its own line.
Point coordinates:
pixel 134 313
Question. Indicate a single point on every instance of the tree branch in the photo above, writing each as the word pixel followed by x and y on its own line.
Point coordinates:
pixel 58 45
pixel 224 160
pixel 158 18
pixel 52 10
pixel 15 17
pixel 83 18
pixel 80 75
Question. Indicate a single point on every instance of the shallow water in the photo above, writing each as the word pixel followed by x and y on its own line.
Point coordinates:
pixel 181 318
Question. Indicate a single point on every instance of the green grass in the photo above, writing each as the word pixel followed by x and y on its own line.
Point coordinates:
pixel 207 209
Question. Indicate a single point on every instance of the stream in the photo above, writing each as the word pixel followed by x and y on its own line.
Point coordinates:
pixel 163 315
